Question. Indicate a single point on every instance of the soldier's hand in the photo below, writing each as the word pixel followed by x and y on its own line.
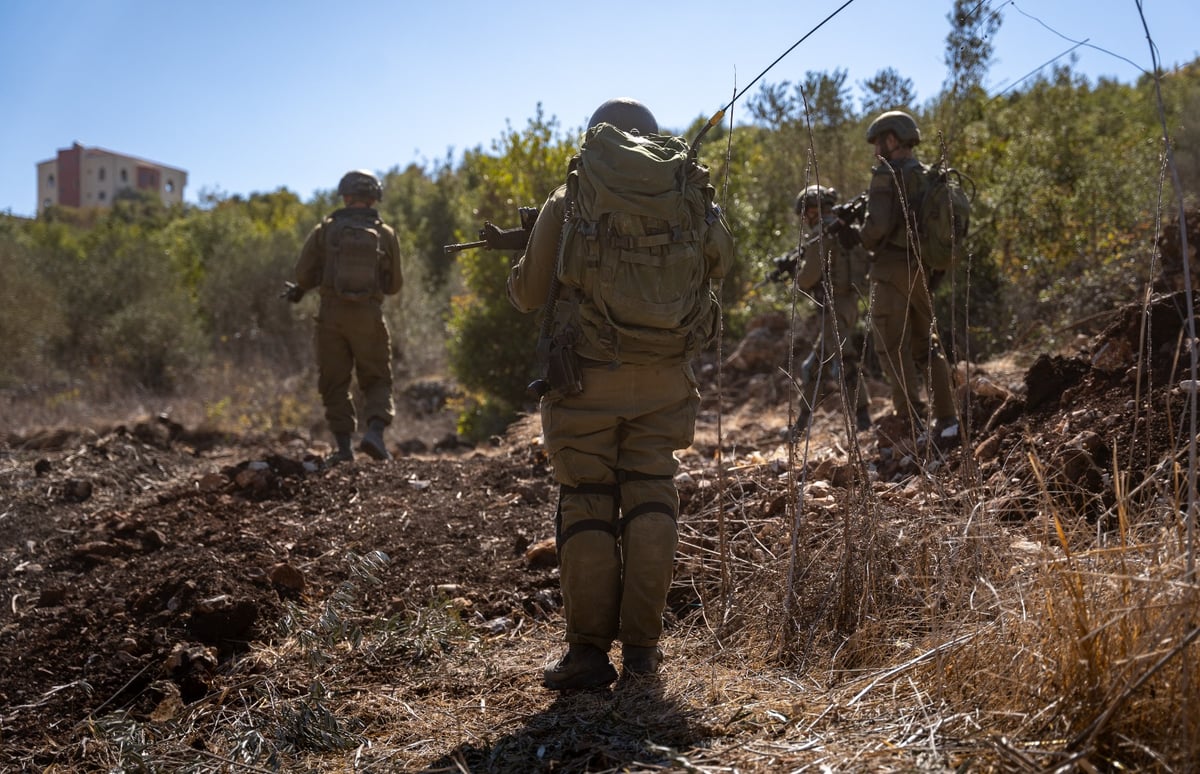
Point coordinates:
pixel 848 235
pixel 785 266
pixel 528 217
pixel 292 292
pixel 503 239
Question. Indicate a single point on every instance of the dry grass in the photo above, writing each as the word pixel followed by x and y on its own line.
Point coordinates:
pixel 224 398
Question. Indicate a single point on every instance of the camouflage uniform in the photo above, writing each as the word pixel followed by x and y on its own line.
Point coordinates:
pixel 612 448
pixel 351 336
pixel 848 279
pixel 901 306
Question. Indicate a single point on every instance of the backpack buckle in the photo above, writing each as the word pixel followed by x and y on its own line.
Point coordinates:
pixel 588 229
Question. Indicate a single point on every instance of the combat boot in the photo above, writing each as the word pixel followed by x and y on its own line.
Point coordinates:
pixel 641 660
pixel 796 431
pixel 372 441
pixel 582 666
pixel 343 452
pixel 945 432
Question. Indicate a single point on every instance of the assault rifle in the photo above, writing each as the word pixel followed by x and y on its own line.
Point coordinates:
pixel 493 237
pixel 291 292
pixel 846 216
pixel 785 265
pixel 849 213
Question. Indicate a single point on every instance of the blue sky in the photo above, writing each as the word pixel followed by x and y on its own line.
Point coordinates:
pixel 253 95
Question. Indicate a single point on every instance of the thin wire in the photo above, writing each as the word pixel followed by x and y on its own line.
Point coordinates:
pixel 1191 316
pixel 716 117
pixel 1089 45
pixel 1040 67
pixel 779 59
pixel 1190 520
pixel 995 11
pixel 726 585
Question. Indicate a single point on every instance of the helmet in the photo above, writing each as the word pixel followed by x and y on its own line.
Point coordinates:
pixel 816 196
pixel 899 123
pixel 362 184
pixel 626 114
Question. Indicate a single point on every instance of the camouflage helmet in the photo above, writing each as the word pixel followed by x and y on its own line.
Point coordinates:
pixel 360 184
pixel 816 196
pixel 626 114
pixel 897 122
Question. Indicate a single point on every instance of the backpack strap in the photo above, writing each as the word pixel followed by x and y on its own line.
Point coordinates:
pixel 676 235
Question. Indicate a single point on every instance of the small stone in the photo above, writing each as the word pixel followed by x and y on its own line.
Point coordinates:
pixel 285 576
pixel 543 553
pixel 52 596
pixel 212 482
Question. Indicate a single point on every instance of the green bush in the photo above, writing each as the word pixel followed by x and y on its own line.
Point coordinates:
pixel 30 316
pixel 153 341
pixel 491 346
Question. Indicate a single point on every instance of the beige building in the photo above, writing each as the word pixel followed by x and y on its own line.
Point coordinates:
pixel 91 177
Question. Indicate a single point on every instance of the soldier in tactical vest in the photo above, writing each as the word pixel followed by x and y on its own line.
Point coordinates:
pixel 829 263
pixel 630 400
pixel 353 259
pixel 901 306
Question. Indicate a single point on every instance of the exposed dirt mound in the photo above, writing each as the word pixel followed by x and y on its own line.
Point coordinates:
pixel 1170 246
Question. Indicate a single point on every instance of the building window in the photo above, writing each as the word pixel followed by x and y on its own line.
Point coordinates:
pixel 124 175
pixel 100 174
pixel 47 203
pixel 170 185
pixel 50 181
pixel 147 178
pixel 101 196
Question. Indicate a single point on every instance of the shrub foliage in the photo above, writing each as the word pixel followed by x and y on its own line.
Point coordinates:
pixel 1071 193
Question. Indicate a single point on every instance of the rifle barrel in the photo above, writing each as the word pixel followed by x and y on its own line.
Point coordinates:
pixel 460 246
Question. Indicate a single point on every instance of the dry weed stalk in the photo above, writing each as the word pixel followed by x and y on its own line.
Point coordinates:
pixel 1064 640
pixel 1094 633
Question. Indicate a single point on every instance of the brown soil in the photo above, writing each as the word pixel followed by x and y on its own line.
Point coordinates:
pixel 145 566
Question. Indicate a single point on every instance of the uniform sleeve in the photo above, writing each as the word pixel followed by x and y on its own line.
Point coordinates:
pixel 529 280
pixel 311 264
pixel 393 275
pixel 883 208
pixel 808 273
pixel 719 249
pixel 859 264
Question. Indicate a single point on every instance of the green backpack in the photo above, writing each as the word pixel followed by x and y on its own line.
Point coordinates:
pixel 633 248
pixel 354 255
pixel 943 216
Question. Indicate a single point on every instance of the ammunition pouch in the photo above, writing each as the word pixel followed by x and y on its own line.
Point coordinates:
pixel 563 372
pixel 562 366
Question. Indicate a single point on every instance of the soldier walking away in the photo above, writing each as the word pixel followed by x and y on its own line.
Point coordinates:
pixel 829 261
pixel 353 259
pixel 901 306
pixel 620 257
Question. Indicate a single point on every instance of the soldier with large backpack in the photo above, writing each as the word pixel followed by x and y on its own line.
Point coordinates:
pixel 620 257
pixel 901 307
pixel 353 259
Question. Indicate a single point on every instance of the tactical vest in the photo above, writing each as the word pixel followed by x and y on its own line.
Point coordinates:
pixel 354 256
pixel 907 175
pixel 632 257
